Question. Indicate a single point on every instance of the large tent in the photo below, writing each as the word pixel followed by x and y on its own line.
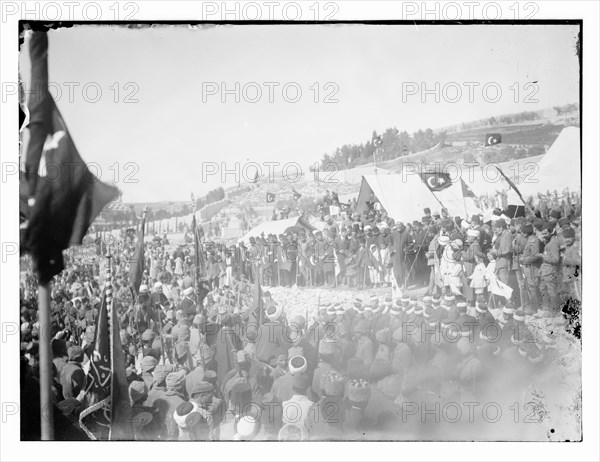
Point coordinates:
pixel 404 196
pixel 559 168
pixel 277 227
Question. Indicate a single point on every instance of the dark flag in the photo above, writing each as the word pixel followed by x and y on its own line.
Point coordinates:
pixel 23 206
pixel 136 269
pixel 270 197
pixel 493 138
pixel 404 149
pixel 199 257
pixel 436 181
pixel 70 197
pixel 296 194
pixel 377 141
pixel 514 186
pixel 467 192
pixel 257 302
pixel 107 415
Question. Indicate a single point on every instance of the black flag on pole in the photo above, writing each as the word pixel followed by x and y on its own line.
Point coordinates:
pixel 436 181
pixel 514 187
pixel 107 415
pixel 199 257
pixel 270 197
pixel 136 270
pixel 67 200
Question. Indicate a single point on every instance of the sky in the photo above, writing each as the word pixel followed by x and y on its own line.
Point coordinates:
pixel 161 119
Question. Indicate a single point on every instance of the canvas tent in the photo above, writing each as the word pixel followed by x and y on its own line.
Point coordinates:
pixel 276 227
pixel 405 196
pixel 559 168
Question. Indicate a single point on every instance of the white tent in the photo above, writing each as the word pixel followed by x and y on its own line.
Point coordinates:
pixel 276 227
pixel 404 196
pixel 559 168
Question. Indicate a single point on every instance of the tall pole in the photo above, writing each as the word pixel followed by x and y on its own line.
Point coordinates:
pixel 196 246
pixel 109 307
pixel 46 406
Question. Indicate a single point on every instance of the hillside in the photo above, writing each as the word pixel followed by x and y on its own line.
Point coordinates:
pixel 519 141
pixel 522 141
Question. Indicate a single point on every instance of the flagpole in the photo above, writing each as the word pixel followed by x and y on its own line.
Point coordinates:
pixel 196 245
pixel 46 406
pixel 514 187
pixel 109 307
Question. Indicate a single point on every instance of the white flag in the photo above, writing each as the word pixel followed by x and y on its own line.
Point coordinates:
pixel 499 288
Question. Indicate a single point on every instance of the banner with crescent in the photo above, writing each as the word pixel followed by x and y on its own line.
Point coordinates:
pixel 436 181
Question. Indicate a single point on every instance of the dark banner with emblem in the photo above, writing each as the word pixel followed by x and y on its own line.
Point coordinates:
pixel 107 413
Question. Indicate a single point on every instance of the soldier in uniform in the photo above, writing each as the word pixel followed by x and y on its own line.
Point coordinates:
pixel 329 259
pixel 318 259
pixel 531 261
pixel 272 265
pixel 518 245
pixel 485 240
pixel 472 241
pixel 571 258
pixel 283 261
pixel 400 240
pixel 342 246
pixel 549 271
pixel 503 245
pixel 420 264
pixel 310 255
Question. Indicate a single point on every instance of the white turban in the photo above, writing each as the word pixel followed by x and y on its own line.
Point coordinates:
pixel 473 233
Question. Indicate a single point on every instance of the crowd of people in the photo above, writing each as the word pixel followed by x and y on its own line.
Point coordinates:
pixel 538 259
pixel 211 357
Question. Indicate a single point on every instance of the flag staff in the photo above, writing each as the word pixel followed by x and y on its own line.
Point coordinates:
pixel 196 245
pixel 514 187
pixel 109 307
pixel 46 406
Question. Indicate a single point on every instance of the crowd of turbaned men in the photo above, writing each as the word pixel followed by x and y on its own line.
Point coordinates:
pixel 219 359
pixel 156 345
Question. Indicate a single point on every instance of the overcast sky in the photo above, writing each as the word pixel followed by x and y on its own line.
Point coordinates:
pixel 176 124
